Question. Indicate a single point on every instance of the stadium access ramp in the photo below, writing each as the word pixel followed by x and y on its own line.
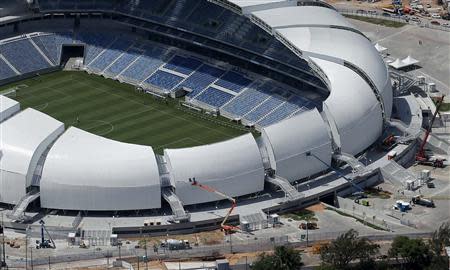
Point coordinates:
pixel 179 214
pixel 411 132
pixel 18 212
pixel 291 193
pixel 398 175
pixel 436 144
pixel 358 168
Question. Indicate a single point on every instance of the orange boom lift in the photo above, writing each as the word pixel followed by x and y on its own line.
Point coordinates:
pixel 226 228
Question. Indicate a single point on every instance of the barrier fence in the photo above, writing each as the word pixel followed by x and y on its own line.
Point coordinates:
pixel 425 22
pixel 200 252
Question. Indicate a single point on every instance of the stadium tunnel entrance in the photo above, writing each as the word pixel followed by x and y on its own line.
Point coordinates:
pixel 68 52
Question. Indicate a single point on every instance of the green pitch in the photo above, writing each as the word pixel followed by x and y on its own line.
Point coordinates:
pixel 116 111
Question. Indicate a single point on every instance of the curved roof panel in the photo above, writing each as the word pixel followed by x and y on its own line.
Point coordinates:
pixel 233 167
pixel 340 45
pixel 84 171
pixel 8 107
pixel 353 107
pixel 301 16
pixel 288 142
pixel 24 138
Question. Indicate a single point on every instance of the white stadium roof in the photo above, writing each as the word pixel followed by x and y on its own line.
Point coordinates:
pixel 8 107
pixel 84 171
pixel 24 138
pixel 288 141
pixel 354 110
pixel 254 5
pixel 233 167
pixel 301 16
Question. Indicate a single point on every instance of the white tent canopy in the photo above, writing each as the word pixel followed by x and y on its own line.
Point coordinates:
pixel 410 61
pixel 397 64
pixel 380 48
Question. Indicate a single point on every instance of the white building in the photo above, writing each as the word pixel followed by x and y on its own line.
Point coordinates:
pixel 23 139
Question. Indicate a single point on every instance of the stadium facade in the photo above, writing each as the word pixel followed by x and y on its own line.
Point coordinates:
pixel 309 47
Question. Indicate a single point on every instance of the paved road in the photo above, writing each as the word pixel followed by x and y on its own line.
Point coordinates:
pixel 433 52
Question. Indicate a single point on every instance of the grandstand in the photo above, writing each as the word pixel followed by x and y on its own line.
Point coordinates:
pixel 185 80
pixel 166 70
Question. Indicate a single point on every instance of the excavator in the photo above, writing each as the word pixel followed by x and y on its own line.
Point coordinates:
pixel 227 229
pixel 422 157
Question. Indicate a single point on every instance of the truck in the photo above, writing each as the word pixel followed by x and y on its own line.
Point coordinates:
pixel 422 201
pixel 402 206
pixel 174 244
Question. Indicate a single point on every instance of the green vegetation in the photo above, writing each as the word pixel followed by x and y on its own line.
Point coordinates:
pixel 349 251
pixel 347 248
pixel 284 258
pixel 117 111
pixel 414 252
pixel 379 21
pixel 303 214
pixel 445 107
pixel 375 193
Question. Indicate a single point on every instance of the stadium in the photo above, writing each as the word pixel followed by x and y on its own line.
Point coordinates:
pixel 247 97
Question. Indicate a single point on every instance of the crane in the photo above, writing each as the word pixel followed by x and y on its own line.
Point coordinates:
pixel 45 243
pixel 226 228
pixel 422 157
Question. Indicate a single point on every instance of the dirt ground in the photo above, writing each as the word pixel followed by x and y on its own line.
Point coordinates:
pixel 381 4
pixel 316 207
pixel 204 238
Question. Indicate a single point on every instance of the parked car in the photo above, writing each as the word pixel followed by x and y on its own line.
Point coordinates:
pixel 435 23
pixel 435 16
pixel 415 19
pixel 311 226
pixel 446 25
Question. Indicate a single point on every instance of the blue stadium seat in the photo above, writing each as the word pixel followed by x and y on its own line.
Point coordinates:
pixel 214 97
pixel 262 110
pixel 164 80
pixel 278 114
pixel 5 71
pixel 202 78
pixel 111 54
pixel 150 61
pixel 51 45
pixel 24 56
pixel 245 102
pixel 233 81
pixel 96 41
pixel 184 65
pixel 124 61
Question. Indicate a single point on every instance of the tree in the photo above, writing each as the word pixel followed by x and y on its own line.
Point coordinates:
pixel 346 248
pixel 439 240
pixel 284 258
pixel 415 253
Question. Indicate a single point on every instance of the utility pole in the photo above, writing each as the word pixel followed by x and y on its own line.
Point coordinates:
pixel 120 255
pixel 146 254
pixel 26 248
pixel 307 234
pixel 31 258
pixel 231 244
pixel 3 262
